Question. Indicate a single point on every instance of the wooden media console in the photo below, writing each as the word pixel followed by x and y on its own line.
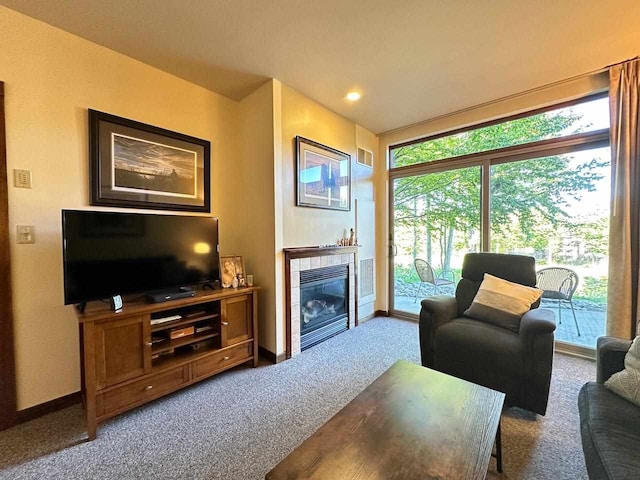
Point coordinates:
pixel 136 355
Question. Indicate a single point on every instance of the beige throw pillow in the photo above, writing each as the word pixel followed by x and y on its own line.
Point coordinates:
pixel 627 382
pixel 501 302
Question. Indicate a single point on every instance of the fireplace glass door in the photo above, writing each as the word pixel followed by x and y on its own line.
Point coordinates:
pixel 323 304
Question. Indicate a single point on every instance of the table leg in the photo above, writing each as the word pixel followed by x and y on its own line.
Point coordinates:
pixel 499 448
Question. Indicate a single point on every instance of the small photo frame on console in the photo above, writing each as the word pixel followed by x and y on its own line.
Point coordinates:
pixel 232 267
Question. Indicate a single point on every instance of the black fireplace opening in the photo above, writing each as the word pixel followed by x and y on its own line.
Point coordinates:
pixel 324 304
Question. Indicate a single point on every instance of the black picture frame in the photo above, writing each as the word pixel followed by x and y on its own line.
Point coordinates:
pixel 136 165
pixel 323 176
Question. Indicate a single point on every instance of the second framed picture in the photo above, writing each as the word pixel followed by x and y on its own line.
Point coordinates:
pixel 141 166
pixel 323 176
pixel 232 268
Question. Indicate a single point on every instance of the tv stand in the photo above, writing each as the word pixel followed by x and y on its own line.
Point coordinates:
pixel 142 353
pixel 81 307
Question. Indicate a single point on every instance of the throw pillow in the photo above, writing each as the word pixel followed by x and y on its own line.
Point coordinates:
pixel 627 382
pixel 501 302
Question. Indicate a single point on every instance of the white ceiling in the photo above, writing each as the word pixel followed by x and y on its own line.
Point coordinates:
pixel 411 59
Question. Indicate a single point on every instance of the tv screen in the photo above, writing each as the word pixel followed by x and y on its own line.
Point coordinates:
pixel 107 253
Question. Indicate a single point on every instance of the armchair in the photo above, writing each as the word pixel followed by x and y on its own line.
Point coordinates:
pixel 609 424
pixel 516 363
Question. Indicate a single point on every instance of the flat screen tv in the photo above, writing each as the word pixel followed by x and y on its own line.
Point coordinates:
pixel 108 253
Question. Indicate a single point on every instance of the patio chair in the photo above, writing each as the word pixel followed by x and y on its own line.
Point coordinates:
pixel 559 283
pixel 428 276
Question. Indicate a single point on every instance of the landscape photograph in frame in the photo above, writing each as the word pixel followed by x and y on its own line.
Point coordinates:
pixel 142 166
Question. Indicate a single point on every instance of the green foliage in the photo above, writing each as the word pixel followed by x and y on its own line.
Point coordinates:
pixel 409 275
pixel 405 274
pixel 592 289
pixel 594 233
pixel 528 198
pixel 514 132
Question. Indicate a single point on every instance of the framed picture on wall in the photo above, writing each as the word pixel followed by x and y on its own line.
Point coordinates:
pixel 141 166
pixel 323 176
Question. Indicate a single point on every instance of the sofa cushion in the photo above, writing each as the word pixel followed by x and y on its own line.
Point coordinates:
pixel 491 357
pixel 626 383
pixel 610 430
pixel 502 303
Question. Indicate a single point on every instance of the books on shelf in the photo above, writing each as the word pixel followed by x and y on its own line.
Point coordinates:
pixel 170 318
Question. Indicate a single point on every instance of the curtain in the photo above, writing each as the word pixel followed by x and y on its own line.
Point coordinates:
pixel 624 234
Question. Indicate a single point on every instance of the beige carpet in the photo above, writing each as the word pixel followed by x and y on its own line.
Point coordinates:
pixel 548 447
pixel 240 424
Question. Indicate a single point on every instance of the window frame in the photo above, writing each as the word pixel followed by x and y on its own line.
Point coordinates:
pixel 497 121
pixel 486 159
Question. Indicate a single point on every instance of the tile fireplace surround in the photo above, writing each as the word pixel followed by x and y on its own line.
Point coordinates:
pixel 309 258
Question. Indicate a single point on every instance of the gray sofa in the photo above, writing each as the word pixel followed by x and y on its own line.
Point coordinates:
pixel 609 424
pixel 516 363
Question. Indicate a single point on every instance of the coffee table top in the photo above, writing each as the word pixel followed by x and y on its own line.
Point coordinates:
pixel 410 423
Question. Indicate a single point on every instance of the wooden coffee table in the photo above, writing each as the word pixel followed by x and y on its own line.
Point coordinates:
pixel 410 423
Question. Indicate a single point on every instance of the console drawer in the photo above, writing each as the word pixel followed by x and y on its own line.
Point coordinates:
pixel 142 390
pixel 218 361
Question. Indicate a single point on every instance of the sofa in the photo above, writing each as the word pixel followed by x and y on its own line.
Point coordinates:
pixel 609 424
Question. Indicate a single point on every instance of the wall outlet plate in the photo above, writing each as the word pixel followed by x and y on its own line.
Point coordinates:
pixel 21 178
pixel 26 234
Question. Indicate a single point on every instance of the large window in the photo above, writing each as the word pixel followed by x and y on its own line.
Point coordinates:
pixel 545 198
pixel 555 123
pixel 436 221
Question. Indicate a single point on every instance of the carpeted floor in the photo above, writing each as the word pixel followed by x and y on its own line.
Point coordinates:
pixel 240 424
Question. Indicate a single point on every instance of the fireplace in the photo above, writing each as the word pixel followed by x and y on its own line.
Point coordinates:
pixel 321 298
pixel 324 300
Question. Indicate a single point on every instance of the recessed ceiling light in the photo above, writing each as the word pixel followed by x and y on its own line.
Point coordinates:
pixel 353 96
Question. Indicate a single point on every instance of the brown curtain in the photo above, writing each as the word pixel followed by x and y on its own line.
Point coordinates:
pixel 624 237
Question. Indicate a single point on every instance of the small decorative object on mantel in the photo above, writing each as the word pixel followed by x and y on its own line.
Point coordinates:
pixel 232 271
pixel 323 176
pixel 137 165
pixel 348 241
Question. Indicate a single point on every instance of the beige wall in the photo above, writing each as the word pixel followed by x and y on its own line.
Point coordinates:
pixel 303 226
pixel 560 92
pixel 51 79
pixel 254 204
pixel 277 334
pixel 364 193
pixel 301 116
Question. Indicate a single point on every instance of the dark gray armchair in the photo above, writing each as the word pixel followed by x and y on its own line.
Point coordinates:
pixel 516 363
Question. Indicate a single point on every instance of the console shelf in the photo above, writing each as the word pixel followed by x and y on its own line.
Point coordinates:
pixel 181 342
pixel 122 368
pixel 183 322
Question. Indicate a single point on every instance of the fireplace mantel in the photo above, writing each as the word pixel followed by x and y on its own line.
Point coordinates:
pixel 303 252
pixel 298 259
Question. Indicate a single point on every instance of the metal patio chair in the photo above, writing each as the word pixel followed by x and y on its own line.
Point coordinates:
pixel 558 283
pixel 428 276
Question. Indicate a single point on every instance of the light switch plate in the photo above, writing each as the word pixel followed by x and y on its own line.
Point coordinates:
pixel 21 178
pixel 26 234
